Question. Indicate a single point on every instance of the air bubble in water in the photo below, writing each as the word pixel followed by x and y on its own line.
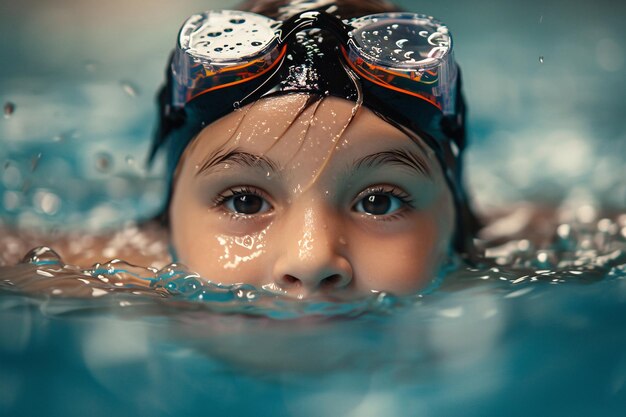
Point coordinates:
pixel 104 162
pixel 130 160
pixel 9 109
pixel 541 59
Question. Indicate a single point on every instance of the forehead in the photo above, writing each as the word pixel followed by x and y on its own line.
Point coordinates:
pixel 292 128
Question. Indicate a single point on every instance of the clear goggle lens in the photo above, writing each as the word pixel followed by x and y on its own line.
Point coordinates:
pixel 221 48
pixel 406 52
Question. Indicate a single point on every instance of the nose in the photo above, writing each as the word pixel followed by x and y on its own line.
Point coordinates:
pixel 311 257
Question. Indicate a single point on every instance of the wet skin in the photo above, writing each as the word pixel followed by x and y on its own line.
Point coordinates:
pixel 303 200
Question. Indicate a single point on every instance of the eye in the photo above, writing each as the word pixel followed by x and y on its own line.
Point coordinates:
pixel 379 204
pixel 244 201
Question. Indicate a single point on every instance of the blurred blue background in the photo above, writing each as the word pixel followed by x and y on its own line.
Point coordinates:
pixel 545 83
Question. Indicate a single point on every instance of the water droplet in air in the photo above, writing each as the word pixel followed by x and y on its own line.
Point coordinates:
pixel 103 162
pixel 35 162
pixel 9 109
pixel 47 202
pixel 129 88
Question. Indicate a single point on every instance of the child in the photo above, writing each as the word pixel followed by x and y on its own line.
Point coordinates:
pixel 314 147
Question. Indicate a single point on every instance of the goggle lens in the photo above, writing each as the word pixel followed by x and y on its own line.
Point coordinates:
pixel 221 48
pixel 406 52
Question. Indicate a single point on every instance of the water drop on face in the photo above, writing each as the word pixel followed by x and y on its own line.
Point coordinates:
pixel 9 109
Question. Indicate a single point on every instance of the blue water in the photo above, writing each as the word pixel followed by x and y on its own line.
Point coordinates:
pixel 538 330
pixel 482 351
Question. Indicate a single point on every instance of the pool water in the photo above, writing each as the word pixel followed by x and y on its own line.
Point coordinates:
pixel 528 332
pixel 536 328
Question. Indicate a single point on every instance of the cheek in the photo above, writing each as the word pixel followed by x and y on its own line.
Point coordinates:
pixel 408 266
pixel 223 258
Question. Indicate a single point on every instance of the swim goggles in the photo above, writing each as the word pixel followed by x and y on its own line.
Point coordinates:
pixel 406 52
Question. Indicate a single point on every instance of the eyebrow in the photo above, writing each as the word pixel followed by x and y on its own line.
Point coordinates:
pixel 237 157
pixel 400 157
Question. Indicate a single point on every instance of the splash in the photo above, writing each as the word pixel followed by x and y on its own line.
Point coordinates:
pixel 578 253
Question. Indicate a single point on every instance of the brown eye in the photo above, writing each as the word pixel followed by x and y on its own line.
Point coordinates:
pixel 378 204
pixel 247 204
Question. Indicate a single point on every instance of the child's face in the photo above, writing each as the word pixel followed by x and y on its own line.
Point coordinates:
pixel 298 205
